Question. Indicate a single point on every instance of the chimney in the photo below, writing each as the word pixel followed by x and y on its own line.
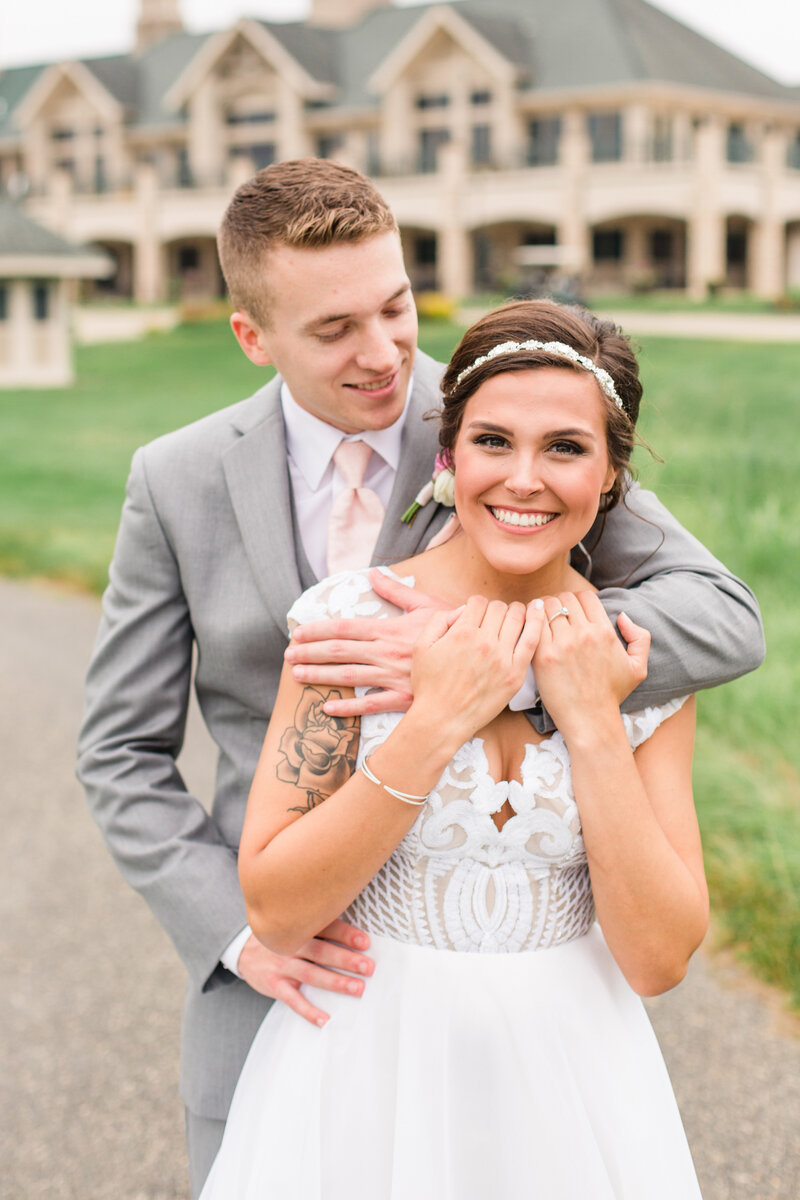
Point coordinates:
pixel 341 14
pixel 157 20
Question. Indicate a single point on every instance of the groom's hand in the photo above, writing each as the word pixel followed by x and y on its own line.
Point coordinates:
pixel 368 652
pixel 321 963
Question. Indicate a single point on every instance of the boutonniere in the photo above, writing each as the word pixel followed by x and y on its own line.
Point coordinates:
pixel 440 488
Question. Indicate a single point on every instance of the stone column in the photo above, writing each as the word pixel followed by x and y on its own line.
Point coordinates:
pixel 768 272
pixel 454 243
pixel 149 276
pixel 206 150
pixel 573 231
pixel 706 223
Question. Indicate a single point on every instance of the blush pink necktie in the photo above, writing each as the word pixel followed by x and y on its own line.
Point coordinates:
pixel 357 513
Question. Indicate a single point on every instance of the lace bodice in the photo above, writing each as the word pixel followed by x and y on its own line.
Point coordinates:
pixel 456 881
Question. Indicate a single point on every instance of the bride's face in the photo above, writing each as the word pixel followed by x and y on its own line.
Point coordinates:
pixel 531 462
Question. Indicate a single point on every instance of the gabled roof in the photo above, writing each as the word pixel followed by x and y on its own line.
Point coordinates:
pixel 28 249
pixel 80 76
pixel 450 19
pixel 578 43
pixel 545 45
pixel 263 40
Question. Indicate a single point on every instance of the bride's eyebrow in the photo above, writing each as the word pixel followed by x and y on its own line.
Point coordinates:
pixel 487 427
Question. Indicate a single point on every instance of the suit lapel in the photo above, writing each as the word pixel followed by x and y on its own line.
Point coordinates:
pixel 257 476
pixel 420 444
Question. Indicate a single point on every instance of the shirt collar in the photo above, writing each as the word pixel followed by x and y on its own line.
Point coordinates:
pixel 310 441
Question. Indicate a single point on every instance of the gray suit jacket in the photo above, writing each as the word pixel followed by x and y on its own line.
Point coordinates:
pixel 205 560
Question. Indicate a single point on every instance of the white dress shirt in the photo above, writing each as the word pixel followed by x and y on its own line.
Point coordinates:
pixel 316 481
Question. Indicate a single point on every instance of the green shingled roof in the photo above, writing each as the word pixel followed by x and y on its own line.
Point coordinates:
pixel 567 44
pixel 22 237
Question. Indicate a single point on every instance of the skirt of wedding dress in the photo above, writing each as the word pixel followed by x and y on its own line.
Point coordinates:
pixel 461 1077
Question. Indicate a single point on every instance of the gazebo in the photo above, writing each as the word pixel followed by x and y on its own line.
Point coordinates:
pixel 37 268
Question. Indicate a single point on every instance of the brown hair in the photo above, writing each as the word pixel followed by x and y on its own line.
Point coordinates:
pixel 308 202
pixel 546 321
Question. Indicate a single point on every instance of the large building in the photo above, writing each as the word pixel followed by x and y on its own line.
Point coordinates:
pixel 599 134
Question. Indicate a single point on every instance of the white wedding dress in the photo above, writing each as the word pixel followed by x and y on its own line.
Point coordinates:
pixel 497 1053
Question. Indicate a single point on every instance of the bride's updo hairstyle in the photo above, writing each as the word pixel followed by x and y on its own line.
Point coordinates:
pixel 545 321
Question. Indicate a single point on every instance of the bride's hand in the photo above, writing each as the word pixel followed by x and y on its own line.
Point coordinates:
pixel 468 663
pixel 581 666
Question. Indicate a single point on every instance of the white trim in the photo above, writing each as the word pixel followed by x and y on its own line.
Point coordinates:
pixel 436 20
pixel 264 43
pixel 84 81
pixel 55 266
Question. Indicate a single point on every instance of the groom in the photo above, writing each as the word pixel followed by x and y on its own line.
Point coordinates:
pixel 226 521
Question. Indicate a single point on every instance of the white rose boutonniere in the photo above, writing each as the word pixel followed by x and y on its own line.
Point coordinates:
pixel 441 488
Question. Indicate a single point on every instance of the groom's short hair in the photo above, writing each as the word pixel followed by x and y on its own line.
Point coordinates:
pixel 305 202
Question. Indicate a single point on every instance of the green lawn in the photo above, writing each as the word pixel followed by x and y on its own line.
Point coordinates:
pixel 723 416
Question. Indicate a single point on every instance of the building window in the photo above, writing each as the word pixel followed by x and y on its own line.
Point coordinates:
pixel 100 177
pixel 608 245
pixel 3 302
pixel 67 165
pixel 481 97
pixel 661 246
pixel 425 250
pixel 183 170
pixel 329 144
pixel 62 134
pixel 793 153
pixel 739 147
pixel 544 135
pixel 40 294
pixel 661 142
pixel 736 248
pixel 433 100
pixel 188 259
pixel 481 145
pixel 605 135
pixel 250 118
pixel 430 142
pixel 373 153
pixel 262 154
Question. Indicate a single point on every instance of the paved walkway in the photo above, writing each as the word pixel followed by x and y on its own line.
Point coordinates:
pixel 89 1013
pixel 736 327
pixel 725 326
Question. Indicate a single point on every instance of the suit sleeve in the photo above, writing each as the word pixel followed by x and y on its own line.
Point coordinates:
pixel 705 623
pixel 164 842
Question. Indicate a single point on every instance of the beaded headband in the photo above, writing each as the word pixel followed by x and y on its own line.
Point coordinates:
pixel 558 350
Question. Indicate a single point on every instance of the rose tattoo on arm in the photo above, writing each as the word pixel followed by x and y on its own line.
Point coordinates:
pixel 318 751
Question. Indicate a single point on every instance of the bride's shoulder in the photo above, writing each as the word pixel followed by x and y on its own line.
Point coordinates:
pixel 642 724
pixel 342 596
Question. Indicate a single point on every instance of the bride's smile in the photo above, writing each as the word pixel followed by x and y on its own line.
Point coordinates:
pixel 531 463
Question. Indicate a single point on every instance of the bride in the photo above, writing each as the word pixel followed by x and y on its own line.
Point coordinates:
pixel 521 892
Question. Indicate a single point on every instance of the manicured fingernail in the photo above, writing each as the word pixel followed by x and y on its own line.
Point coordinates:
pixel 360 941
pixel 322 1021
pixel 298 673
pixel 538 603
pixel 364 966
pixel 355 987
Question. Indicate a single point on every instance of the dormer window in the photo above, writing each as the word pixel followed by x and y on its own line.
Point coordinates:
pixel 433 100
pixel 258 117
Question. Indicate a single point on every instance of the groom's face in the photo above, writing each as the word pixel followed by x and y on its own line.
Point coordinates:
pixel 341 330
